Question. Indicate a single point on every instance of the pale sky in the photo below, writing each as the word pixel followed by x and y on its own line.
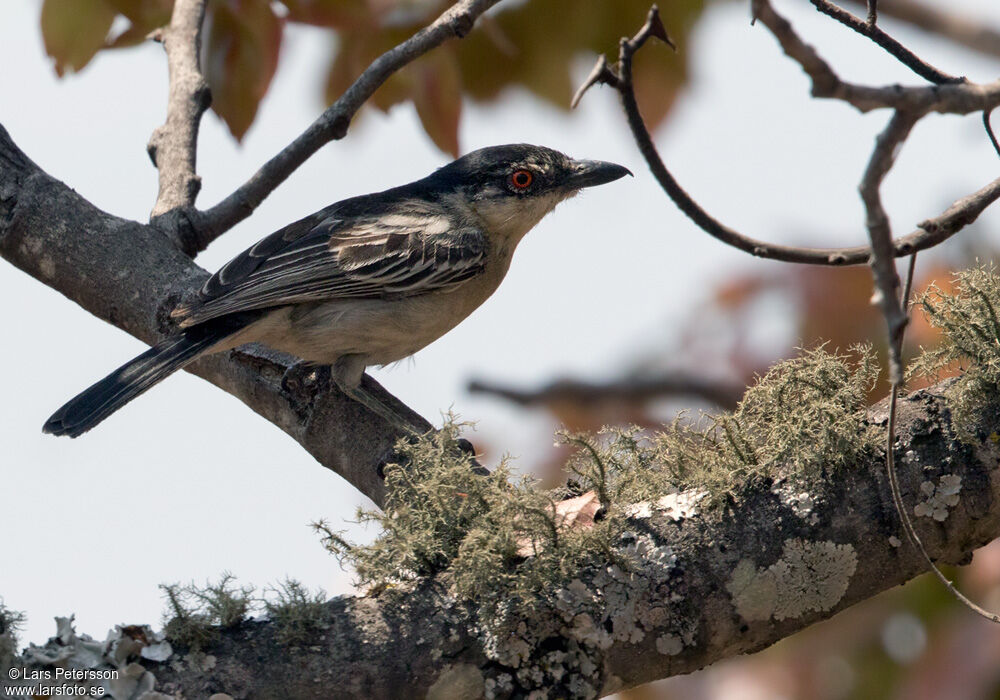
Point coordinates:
pixel 94 524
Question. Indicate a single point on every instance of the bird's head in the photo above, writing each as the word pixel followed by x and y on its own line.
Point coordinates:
pixel 512 187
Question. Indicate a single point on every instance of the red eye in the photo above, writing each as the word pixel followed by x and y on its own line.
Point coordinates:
pixel 521 179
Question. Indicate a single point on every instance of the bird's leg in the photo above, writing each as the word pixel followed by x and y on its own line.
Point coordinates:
pixel 347 372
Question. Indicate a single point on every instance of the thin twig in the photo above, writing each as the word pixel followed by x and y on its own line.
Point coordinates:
pixel 890 465
pixel 940 21
pixel 873 12
pixel 457 21
pixel 949 98
pixel 893 47
pixel 173 146
pixel 930 233
pixel 989 130
pixel 883 268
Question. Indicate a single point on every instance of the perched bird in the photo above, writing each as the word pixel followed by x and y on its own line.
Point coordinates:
pixel 366 281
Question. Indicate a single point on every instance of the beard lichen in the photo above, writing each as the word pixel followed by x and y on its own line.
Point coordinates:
pixel 11 622
pixel 196 613
pixel 537 575
pixel 967 319
pixel 805 415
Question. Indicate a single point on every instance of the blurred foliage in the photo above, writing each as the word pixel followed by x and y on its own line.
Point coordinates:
pixel 531 45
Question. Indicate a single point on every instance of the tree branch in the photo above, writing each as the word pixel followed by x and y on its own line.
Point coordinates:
pixel 966 31
pixel 953 98
pixel 736 579
pixel 632 390
pixel 54 235
pixel 893 47
pixel 825 83
pixel 883 265
pixel 457 21
pixel 173 147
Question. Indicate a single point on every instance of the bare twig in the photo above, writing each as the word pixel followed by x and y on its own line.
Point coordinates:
pixel 630 390
pixel 173 146
pixel 333 123
pixel 949 98
pixel 989 131
pixel 890 466
pixel 883 267
pixel 930 232
pixel 939 20
pixel 893 47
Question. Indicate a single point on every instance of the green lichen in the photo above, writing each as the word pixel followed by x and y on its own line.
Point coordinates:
pixel 11 622
pixel 442 518
pixel 541 566
pixel 492 537
pixel 967 318
pixel 804 416
pixel 298 614
pixel 196 613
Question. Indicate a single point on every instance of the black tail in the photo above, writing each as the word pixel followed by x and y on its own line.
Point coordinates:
pixel 93 405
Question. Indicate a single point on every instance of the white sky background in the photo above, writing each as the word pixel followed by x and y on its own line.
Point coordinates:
pixel 91 526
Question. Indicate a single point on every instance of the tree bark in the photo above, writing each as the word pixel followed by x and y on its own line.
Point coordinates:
pixel 717 582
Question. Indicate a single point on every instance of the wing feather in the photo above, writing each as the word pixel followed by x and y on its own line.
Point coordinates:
pixel 325 257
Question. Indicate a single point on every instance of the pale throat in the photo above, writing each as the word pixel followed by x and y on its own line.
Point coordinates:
pixel 511 218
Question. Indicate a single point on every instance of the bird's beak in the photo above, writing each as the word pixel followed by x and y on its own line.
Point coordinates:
pixel 588 173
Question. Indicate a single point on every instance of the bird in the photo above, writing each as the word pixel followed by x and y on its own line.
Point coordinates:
pixel 366 281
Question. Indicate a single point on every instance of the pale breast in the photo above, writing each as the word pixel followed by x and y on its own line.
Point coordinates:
pixel 384 331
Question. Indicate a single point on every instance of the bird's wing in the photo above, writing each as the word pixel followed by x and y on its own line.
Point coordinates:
pixel 375 257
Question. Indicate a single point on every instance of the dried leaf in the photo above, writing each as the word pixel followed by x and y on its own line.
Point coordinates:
pixel 243 45
pixel 75 30
pixel 437 95
pixel 143 15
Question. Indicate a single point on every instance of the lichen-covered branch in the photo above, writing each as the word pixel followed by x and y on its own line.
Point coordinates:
pixel 173 147
pixel 685 584
pixel 56 236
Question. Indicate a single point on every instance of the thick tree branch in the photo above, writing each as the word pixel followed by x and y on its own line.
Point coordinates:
pixel 457 21
pixel 132 276
pixel 735 579
pixel 173 147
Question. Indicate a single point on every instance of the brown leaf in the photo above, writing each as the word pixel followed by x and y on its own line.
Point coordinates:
pixel 571 514
pixel 75 30
pixel 243 46
pixel 578 513
pixel 143 15
pixel 337 14
pixel 437 95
